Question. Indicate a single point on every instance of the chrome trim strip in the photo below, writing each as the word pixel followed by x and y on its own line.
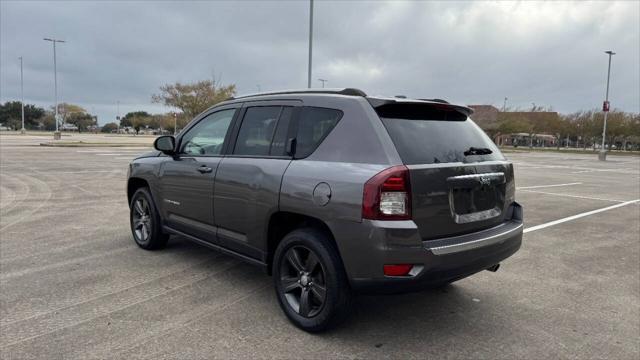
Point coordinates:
pixel 457 164
pixel 474 244
pixel 476 176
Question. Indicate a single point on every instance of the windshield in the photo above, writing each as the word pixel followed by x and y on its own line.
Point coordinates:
pixel 427 141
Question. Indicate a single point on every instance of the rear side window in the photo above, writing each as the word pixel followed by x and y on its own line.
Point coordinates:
pixel 427 135
pixel 257 130
pixel 314 124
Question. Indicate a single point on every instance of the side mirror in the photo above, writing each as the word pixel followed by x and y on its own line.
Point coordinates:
pixel 166 144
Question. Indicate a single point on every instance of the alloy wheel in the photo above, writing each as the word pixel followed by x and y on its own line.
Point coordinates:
pixel 141 219
pixel 303 281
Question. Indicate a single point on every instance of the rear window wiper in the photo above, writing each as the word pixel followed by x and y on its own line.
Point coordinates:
pixel 477 151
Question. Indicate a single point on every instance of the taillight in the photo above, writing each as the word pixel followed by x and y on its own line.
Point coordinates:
pixel 387 195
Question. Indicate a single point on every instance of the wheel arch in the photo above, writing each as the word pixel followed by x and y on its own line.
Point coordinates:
pixel 133 184
pixel 283 222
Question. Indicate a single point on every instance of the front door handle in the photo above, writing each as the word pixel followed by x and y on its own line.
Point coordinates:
pixel 205 169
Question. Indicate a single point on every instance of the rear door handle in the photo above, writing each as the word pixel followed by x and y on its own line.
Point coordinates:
pixel 205 169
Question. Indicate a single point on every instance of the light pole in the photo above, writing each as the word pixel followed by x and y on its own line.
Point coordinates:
pixel 175 123
pixel 56 135
pixel 602 155
pixel 22 131
pixel 504 105
pixel 310 42
pixel 118 114
pixel 323 81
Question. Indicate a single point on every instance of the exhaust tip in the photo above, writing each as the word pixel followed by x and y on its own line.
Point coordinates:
pixel 494 268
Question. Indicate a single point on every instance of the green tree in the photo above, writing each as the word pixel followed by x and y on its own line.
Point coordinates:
pixel 109 127
pixel 194 98
pixel 80 119
pixel 127 119
pixel 138 122
pixel 48 122
pixel 11 115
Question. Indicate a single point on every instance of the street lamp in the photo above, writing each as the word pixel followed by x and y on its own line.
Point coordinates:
pixel 323 81
pixel 602 155
pixel 22 131
pixel 175 123
pixel 56 135
pixel 310 42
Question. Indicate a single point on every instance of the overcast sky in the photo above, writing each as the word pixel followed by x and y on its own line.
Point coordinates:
pixel 550 54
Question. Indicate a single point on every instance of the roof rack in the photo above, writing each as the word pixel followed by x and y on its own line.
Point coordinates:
pixel 339 91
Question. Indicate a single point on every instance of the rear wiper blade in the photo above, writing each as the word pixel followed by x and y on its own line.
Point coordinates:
pixel 477 151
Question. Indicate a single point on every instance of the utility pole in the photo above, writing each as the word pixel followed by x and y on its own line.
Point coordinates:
pixel 602 155
pixel 323 81
pixel 22 131
pixel 310 42
pixel 504 105
pixel 56 135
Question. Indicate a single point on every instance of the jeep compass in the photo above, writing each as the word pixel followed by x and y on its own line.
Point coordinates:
pixel 333 193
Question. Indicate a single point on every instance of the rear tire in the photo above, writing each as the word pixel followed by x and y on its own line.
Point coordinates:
pixel 310 281
pixel 145 222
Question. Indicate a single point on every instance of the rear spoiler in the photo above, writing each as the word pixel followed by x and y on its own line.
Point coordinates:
pixel 435 104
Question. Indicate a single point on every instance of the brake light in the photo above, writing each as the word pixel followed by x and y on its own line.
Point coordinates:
pixel 387 195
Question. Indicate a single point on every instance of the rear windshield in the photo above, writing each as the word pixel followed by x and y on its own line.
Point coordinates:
pixel 429 136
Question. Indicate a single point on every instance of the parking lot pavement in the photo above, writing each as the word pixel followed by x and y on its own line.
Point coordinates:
pixel 74 285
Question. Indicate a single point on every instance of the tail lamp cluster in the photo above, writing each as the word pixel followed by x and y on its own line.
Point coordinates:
pixel 387 195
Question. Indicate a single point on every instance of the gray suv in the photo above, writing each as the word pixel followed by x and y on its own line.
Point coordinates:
pixel 332 192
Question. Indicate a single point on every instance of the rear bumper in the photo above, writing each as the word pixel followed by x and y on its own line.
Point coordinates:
pixel 435 261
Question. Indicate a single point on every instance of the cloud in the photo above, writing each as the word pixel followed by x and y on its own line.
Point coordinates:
pixel 550 53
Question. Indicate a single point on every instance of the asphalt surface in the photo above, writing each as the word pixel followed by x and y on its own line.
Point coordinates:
pixel 74 285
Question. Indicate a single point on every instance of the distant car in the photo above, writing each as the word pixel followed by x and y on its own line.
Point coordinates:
pixel 68 127
pixel 333 193
pixel 4 128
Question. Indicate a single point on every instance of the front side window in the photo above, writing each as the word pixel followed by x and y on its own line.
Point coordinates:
pixel 257 130
pixel 207 136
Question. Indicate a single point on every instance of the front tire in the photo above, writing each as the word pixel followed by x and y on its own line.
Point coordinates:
pixel 145 222
pixel 310 281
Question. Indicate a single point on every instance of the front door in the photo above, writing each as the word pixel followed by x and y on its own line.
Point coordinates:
pixel 187 180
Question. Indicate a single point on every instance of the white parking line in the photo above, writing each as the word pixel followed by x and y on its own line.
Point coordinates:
pixel 578 216
pixel 546 186
pixel 571 196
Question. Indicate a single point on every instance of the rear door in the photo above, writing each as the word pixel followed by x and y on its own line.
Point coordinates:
pixel 460 181
pixel 247 185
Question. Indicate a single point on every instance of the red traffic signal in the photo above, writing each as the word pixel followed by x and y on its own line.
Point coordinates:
pixel 605 106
